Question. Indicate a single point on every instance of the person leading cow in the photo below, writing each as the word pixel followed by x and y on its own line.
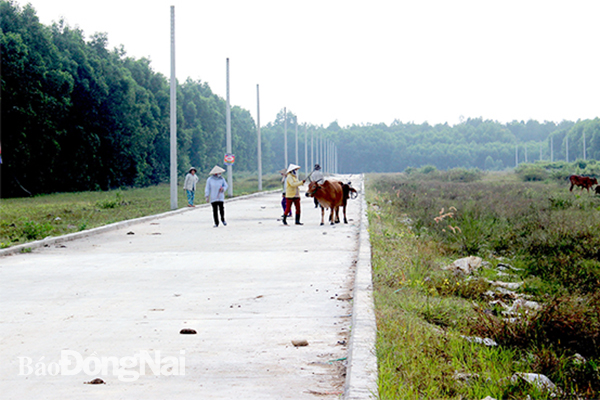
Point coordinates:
pixel 292 193
pixel 316 176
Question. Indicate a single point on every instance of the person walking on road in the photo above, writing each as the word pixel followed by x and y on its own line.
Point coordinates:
pixel 283 174
pixel 215 194
pixel 189 185
pixel 292 193
pixel 316 176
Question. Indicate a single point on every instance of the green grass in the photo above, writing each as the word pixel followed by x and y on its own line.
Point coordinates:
pixel 424 220
pixel 24 220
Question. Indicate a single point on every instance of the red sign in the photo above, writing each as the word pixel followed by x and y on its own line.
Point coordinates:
pixel 229 159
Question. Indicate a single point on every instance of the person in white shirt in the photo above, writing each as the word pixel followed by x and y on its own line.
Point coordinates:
pixel 316 176
pixel 189 185
pixel 215 194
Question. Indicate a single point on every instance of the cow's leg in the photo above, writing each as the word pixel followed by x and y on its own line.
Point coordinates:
pixel 322 215
pixel 345 219
pixel 337 214
pixel 331 215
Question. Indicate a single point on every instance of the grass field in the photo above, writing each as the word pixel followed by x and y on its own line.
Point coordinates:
pixel 535 234
pixel 28 219
pixel 527 227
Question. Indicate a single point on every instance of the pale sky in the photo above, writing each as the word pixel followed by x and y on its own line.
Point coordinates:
pixel 358 62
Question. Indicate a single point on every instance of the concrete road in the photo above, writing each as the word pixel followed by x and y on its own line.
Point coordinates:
pixel 112 306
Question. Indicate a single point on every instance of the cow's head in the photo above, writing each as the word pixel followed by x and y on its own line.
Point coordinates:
pixel 313 187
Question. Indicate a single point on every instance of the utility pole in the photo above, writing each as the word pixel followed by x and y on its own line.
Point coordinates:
pixel 228 120
pixel 173 116
pixel 259 139
pixel 312 148
pixel 285 136
pixel 305 152
pixel 297 160
pixel 336 161
pixel 320 148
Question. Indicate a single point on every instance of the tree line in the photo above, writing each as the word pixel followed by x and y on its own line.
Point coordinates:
pixel 78 116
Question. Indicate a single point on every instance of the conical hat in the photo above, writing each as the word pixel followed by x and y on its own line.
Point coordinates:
pixel 216 170
pixel 292 167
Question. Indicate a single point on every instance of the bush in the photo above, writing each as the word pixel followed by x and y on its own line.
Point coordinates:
pixel 34 231
pixel 530 173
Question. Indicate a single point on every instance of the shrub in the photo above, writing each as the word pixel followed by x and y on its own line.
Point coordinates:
pixel 34 230
pixel 117 201
pixel 530 172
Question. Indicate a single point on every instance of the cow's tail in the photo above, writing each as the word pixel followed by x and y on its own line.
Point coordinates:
pixel 348 192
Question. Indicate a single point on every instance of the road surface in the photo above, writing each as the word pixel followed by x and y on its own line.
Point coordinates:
pixel 112 306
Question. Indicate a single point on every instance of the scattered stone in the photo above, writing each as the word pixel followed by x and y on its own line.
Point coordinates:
pixel 187 331
pixel 465 377
pixel 466 265
pixel 300 342
pixel 131 233
pixel 345 297
pixel 474 339
pixel 96 381
pixel 539 380
pixel 488 398
pixel 521 304
pixel 507 285
pixel 506 293
pixel 504 266
pixel 579 359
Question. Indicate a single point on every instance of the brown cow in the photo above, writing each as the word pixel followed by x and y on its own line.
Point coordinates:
pixel 331 194
pixel 583 181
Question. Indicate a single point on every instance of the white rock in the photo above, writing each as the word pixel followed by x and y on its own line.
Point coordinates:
pixel 525 304
pixel 579 359
pixel 475 339
pixel 466 265
pixel 539 380
pixel 507 285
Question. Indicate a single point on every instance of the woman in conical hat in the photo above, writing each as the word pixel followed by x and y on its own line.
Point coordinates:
pixel 215 193
pixel 216 170
pixel 283 173
pixel 292 193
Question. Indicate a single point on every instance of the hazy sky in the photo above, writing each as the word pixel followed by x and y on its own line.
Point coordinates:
pixel 368 61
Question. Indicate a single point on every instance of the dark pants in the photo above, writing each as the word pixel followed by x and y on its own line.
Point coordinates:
pixel 218 205
pixel 288 205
